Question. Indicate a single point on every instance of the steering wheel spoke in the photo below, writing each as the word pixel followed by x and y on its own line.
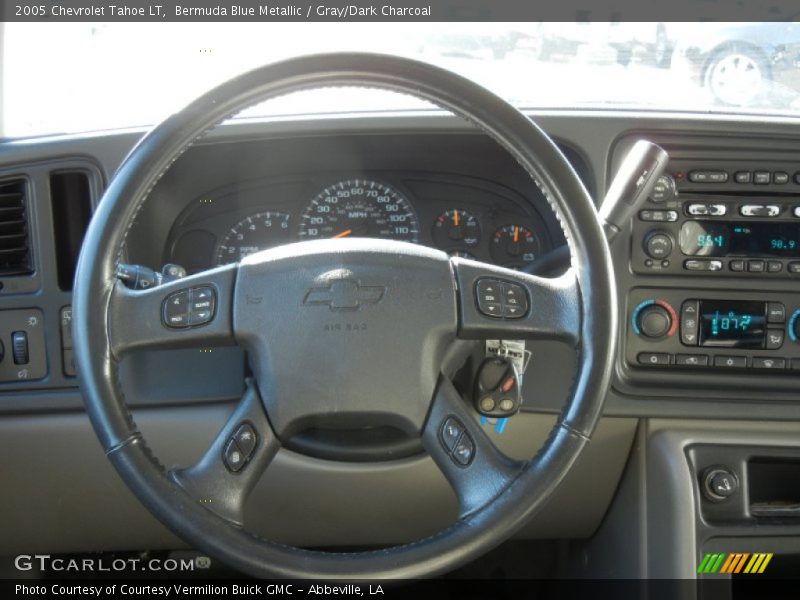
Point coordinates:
pixel 223 478
pixel 499 303
pixel 476 469
pixel 192 311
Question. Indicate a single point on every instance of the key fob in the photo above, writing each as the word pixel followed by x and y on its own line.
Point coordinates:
pixel 497 391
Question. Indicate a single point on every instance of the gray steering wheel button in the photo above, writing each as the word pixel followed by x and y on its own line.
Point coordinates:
pixel 176 309
pixel 233 456
pixel 464 450
pixel 451 431
pixel 246 439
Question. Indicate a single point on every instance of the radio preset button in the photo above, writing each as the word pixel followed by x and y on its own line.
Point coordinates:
pixel 795 364
pixel 743 177
pixel 794 267
pixel 762 177
pixel 780 177
pixel 769 363
pixel 700 209
pixel 730 362
pixel 760 210
pixel 775 339
pixel 691 360
pixel 776 312
pixel 796 211
pixel 755 266
pixel 653 358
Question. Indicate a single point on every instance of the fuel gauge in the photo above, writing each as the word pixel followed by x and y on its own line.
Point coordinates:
pixel 514 246
pixel 456 227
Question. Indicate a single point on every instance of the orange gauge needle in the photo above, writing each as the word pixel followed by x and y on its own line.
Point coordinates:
pixel 516 234
pixel 345 233
pixel 455 218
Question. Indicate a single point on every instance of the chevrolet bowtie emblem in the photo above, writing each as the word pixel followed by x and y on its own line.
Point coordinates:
pixel 345 294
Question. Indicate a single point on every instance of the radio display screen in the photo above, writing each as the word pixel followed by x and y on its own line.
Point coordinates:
pixel 732 323
pixel 740 238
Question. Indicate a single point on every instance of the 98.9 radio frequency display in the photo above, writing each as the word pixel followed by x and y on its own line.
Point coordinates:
pixel 750 239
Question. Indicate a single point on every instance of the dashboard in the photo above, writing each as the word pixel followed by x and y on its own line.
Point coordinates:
pixel 462 216
pixel 434 181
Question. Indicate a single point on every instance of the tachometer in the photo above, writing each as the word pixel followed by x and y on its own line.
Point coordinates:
pixel 359 208
pixel 257 232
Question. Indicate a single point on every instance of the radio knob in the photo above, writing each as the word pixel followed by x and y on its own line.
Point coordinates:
pixel 654 321
pixel 658 244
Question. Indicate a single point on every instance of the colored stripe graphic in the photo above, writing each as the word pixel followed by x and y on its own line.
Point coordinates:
pixel 734 563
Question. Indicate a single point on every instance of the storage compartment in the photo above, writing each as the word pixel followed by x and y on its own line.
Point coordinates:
pixel 774 487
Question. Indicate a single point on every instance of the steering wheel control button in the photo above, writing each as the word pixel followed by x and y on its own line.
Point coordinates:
pixel 190 308
pixel 464 451
pixel 497 391
pixel 719 484
pixel 176 309
pixel 246 439
pixel 500 299
pixel 233 456
pixel 452 429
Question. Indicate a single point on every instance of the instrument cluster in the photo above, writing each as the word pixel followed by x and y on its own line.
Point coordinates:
pixel 459 215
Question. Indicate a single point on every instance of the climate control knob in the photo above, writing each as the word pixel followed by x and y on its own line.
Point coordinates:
pixel 658 245
pixel 654 321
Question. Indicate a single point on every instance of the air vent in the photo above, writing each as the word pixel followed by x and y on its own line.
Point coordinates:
pixel 15 251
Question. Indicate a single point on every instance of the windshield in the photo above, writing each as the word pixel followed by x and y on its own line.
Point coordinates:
pixel 73 77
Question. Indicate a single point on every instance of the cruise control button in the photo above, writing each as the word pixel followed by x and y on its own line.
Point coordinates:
pixel 776 312
pixel 233 457
pixel 653 358
pixel 464 450
pixel 730 362
pixel 246 439
pixel 775 338
pixel 769 363
pixel 691 360
pixel 451 432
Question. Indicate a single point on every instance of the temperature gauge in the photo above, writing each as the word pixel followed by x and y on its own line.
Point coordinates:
pixel 456 227
pixel 514 246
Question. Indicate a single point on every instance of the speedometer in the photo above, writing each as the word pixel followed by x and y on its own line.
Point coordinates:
pixel 359 208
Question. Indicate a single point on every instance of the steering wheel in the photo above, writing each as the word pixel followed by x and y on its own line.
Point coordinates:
pixel 411 301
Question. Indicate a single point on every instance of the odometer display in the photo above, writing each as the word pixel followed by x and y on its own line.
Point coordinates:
pixel 359 208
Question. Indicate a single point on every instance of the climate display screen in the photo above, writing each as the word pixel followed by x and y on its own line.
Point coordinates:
pixel 719 238
pixel 732 324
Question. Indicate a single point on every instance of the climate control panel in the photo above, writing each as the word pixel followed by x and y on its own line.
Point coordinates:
pixel 691 329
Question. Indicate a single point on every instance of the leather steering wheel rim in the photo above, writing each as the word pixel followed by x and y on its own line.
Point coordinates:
pixel 485 525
